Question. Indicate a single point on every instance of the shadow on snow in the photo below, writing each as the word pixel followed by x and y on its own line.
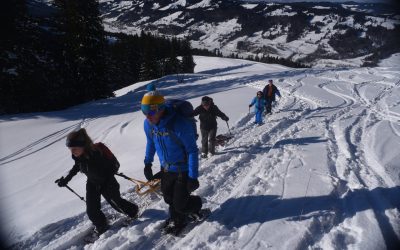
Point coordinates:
pixel 237 212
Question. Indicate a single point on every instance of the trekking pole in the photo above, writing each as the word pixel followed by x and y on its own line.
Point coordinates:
pixel 227 124
pixel 70 189
pixel 80 197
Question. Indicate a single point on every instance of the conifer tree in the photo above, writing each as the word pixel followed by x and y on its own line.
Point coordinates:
pixel 172 65
pixel 187 58
pixel 83 44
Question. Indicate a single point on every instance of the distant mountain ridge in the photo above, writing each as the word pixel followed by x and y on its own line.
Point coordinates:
pixel 323 34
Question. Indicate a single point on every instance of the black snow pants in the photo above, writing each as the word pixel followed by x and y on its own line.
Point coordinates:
pixel 177 196
pixel 110 192
pixel 208 140
pixel 268 106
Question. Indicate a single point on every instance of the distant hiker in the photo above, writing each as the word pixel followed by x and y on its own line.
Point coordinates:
pixel 208 112
pixel 173 137
pixel 259 104
pixel 99 165
pixel 269 93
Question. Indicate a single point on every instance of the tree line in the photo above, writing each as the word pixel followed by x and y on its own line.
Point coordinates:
pixel 58 56
pixel 263 59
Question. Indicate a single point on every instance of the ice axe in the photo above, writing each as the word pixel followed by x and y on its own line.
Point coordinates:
pixel 70 189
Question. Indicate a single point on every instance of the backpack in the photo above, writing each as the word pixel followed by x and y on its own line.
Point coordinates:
pixel 106 152
pixel 184 109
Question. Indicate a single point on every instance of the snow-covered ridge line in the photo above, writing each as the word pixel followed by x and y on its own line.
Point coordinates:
pixel 287 30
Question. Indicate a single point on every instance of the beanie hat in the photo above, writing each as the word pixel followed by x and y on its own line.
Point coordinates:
pixel 152 100
pixel 75 142
pixel 206 100
pixel 151 87
pixel 77 138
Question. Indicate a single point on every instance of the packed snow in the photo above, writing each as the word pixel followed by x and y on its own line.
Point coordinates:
pixel 322 172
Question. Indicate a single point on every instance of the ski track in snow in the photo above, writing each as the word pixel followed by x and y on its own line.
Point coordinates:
pixel 267 168
pixel 42 143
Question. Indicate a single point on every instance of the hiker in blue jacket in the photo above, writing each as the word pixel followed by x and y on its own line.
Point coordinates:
pixel 173 137
pixel 259 104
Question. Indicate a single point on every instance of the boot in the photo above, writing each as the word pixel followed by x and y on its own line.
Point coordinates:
pixel 174 226
pixel 199 215
pixel 99 230
pixel 167 223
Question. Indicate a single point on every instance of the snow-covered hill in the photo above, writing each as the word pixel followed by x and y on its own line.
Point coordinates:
pixel 323 34
pixel 322 172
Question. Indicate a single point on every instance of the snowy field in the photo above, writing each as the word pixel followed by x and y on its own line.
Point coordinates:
pixel 321 173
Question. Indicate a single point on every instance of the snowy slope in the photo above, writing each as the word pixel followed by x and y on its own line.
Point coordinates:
pixel 322 172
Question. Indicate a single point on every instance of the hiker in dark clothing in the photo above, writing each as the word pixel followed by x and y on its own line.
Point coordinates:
pixel 269 93
pixel 208 113
pixel 99 167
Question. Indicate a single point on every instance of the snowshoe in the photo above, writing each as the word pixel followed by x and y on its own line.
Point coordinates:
pixel 171 227
pixel 127 221
pixel 194 220
pixel 166 224
pixel 200 215
pixel 221 140
pixel 100 230
pixel 95 234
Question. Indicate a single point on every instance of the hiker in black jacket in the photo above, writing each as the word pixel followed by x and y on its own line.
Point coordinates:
pixel 99 167
pixel 208 112
pixel 269 92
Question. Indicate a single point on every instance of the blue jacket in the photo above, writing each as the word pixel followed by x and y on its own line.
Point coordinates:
pixel 177 152
pixel 259 104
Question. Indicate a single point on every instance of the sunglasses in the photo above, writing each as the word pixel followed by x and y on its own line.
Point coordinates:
pixel 150 110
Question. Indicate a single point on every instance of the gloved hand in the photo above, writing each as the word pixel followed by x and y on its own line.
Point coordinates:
pixel 250 106
pixel 192 184
pixel 225 118
pixel 62 182
pixel 148 172
pixel 158 175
